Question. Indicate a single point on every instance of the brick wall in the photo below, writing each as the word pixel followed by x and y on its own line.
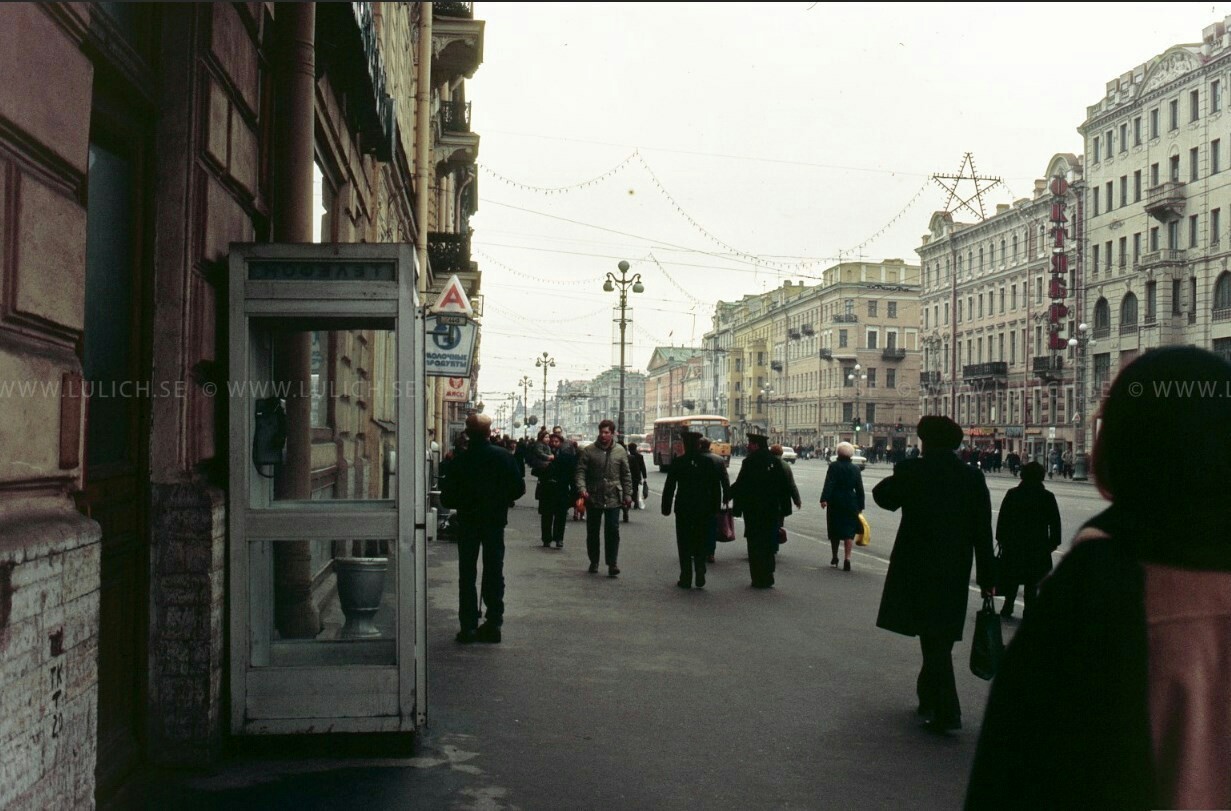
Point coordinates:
pixel 49 590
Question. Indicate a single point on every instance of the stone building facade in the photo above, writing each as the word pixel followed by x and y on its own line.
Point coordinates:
pixel 137 141
pixel 1158 146
pixel 985 316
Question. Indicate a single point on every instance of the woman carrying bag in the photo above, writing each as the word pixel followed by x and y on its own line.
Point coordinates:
pixel 842 500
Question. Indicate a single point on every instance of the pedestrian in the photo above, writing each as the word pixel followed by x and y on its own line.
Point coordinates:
pixel 762 496
pixel 636 466
pixel 720 465
pixel 483 479
pixel 776 450
pixel 694 489
pixel 605 483
pixel 946 520
pixel 555 491
pixel 842 500
pixel 1115 691
pixel 1028 531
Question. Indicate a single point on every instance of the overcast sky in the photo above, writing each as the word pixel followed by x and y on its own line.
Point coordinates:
pixel 751 144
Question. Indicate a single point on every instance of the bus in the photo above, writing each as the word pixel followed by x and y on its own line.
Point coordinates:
pixel 668 431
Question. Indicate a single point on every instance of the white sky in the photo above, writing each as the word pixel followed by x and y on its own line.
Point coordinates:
pixel 790 132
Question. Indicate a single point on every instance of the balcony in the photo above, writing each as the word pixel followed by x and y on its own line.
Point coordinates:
pixel 1165 202
pixel 1101 331
pixel 793 334
pixel 457 42
pixel 776 365
pixel 929 378
pixel 455 144
pixel 454 116
pixel 449 253
pixel 807 329
pixel 1169 257
pixel 826 353
pixel 995 371
pixel 893 353
pixel 845 318
pixel 1048 366
pixel 1128 329
pixel 1221 314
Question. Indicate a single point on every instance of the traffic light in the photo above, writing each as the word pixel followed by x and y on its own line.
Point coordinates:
pixel 855 425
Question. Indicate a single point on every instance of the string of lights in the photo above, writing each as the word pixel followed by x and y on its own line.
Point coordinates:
pixel 537 279
pixel 676 284
pixel 885 228
pixel 594 181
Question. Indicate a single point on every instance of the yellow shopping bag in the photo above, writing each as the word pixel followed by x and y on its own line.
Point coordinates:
pixel 864 536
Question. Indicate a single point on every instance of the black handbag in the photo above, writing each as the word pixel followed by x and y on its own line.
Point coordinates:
pixel 987 649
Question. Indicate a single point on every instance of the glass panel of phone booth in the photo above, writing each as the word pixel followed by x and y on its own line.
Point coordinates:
pixel 324 602
pixel 325 412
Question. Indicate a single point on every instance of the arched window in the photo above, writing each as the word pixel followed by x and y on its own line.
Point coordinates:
pixel 981 267
pixel 1015 249
pixel 1222 291
pixel 1102 314
pixel 1128 310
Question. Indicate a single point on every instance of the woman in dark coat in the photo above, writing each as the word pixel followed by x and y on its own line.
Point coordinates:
pixel 1028 531
pixel 842 500
pixel 946 521
pixel 555 490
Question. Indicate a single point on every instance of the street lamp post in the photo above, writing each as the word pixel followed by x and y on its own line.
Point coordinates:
pixel 545 362
pixel 525 384
pixel 1078 344
pixel 856 376
pixel 768 393
pixel 624 282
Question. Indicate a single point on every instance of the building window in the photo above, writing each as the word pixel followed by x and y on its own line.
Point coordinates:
pixel 1215 225
pixel 1173 114
pixel 1193 173
pixel 1123 252
pixel 1154 123
pixel 1137 186
pixel 1154 238
pixel 1222 291
pixel 946 312
pixel 1194 105
pixel 1013 297
pixel 959 311
pixel 841 339
pixel 1094 199
pixel 980 305
pixel 1137 131
pixel 1123 190
pixel 1137 248
pixel 1153 175
pixel 872 339
pixel 871 381
pixel 891 378
pixel 1015 249
pixel 1108 144
pixel 1128 310
pixel 1096 151
pixel 1123 138
pixel 1173 234
pixel 1107 188
pixel 892 307
pixel 1192 231
pixel 1215 156
pixel 1107 257
pixel 1012 347
pixel 1094 254
pixel 1151 301
pixel 871 309
pixel 1002 301
pixel 1175 296
pixel 1174 169
pixel 1215 96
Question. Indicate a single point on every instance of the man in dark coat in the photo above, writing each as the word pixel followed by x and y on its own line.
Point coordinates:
pixel 946 520
pixel 762 495
pixel 695 487
pixel 555 490
pixel 720 465
pixel 483 480
pixel 636 467
pixel 1028 531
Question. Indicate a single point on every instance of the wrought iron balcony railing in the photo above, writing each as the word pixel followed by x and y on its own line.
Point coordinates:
pixel 453 9
pixel 448 253
pixel 893 353
pixel 993 370
pixel 455 116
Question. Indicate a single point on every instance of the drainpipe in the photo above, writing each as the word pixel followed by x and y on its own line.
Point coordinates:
pixel 295 77
pixel 423 155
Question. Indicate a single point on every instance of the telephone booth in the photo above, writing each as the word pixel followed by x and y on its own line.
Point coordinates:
pixel 327 513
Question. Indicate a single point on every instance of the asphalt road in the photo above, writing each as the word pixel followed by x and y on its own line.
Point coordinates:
pixel 630 693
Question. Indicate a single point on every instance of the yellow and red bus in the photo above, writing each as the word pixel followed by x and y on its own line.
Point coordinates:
pixel 669 430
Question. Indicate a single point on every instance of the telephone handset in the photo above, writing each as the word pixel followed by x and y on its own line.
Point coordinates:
pixel 269 436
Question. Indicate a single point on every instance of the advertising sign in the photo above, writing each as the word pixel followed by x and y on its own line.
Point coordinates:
pixel 449 348
pixel 457 390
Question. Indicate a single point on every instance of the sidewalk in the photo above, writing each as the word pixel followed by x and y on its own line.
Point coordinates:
pixel 632 693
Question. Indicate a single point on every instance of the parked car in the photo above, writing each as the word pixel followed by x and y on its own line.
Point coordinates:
pixel 789 455
pixel 859 461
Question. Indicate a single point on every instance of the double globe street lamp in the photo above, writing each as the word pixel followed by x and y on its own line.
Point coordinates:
pixel 623 282
pixel 545 362
pixel 855 377
pixel 1078 344
pixel 525 384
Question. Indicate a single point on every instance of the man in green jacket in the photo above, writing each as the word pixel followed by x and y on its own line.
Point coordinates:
pixel 605 481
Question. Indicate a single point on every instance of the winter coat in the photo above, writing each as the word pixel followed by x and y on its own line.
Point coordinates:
pixel 843 495
pixel 605 475
pixel 1028 530
pixel 761 491
pixel 555 487
pixel 636 466
pixel 946 520
pixel 695 487
pixel 483 481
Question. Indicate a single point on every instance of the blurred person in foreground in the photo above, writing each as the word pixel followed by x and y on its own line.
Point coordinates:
pixel 483 480
pixel 1028 531
pixel 946 521
pixel 843 501
pixel 1116 689
pixel 694 489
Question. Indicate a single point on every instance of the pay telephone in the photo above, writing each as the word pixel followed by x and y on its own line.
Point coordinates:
pixel 269 434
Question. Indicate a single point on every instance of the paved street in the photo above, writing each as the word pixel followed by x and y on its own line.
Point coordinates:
pixel 632 693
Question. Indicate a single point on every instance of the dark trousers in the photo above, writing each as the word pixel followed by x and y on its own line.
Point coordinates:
pixel 711 536
pixel 552 524
pixel 490 541
pixel 609 519
pixel 690 542
pixel 1029 590
pixel 762 537
pixel 936 686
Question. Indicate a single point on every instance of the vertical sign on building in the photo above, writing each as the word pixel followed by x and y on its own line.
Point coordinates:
pixel 1058 287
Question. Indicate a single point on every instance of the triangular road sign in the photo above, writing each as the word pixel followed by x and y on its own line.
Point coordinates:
pixel 453 298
